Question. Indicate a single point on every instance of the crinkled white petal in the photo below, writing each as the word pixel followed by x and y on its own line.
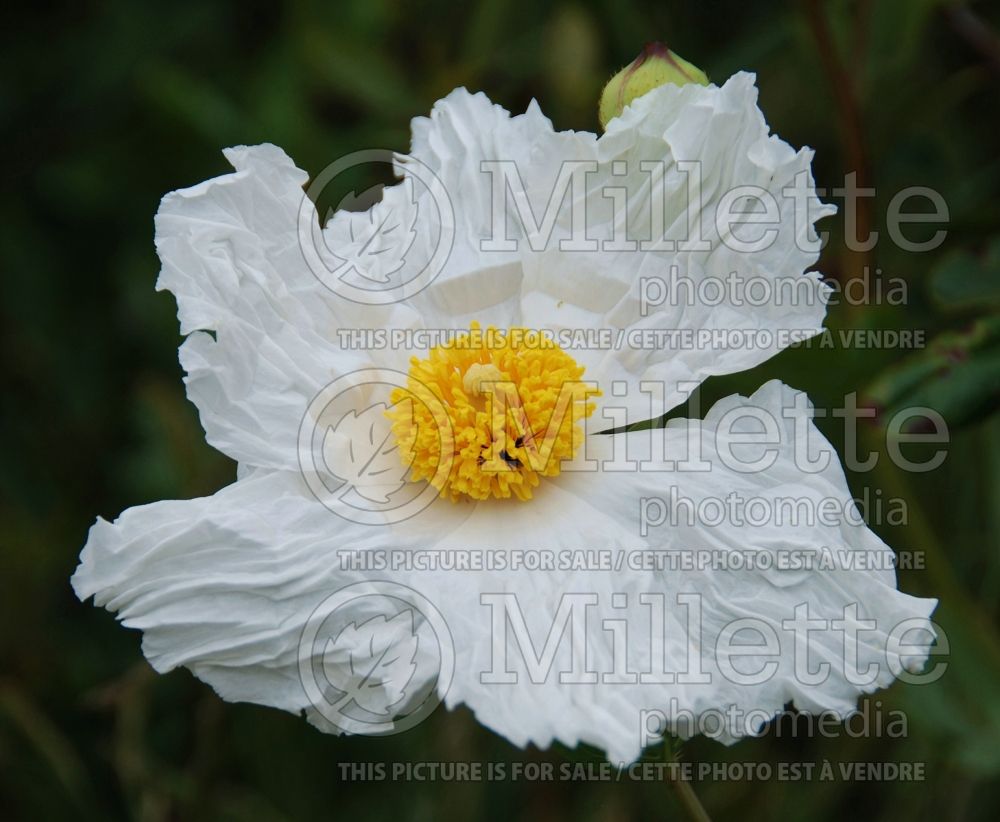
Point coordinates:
pixel 225 585
pixel 610 715
pixel 262 330
pixel 563 288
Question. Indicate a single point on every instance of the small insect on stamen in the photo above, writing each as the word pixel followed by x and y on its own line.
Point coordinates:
pixel 512 462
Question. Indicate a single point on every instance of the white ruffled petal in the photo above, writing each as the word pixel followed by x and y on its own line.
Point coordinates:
pixel 463 133
pixel 224 585
pixel 773 304
pixel 600 512
pixel 262 328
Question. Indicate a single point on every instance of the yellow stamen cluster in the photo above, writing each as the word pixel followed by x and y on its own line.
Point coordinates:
pixel 490 412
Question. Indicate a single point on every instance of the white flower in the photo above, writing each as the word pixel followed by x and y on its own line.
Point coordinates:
pixel 226 585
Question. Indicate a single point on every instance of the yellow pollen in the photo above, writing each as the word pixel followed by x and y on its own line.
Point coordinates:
pixel 489 413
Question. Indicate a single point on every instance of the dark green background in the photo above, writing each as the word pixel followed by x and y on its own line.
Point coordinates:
pixel 106 106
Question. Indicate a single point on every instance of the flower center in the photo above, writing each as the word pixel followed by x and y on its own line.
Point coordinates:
pixel 503 406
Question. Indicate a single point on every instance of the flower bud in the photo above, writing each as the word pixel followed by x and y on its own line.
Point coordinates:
pixel 655 66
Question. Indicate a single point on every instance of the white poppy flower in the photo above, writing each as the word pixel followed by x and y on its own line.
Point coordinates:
pixel 228 585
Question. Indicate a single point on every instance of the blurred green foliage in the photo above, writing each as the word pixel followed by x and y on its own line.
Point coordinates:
pixel 105 106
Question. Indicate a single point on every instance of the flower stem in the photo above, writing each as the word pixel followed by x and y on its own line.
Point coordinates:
pixel 685 794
